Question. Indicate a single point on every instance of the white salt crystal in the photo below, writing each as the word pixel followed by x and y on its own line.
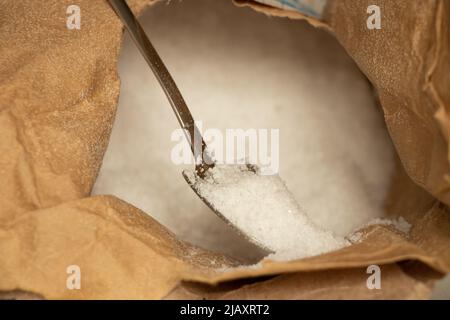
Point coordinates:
pixel 263 209
pixel 398 223
pixel 402 225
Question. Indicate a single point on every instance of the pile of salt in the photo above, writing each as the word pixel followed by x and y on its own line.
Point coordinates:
pixel 264 210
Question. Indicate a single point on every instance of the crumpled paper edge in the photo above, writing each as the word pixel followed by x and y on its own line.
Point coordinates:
pixel 184 270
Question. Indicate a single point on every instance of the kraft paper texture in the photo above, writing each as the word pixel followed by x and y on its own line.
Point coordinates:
pixel 58 96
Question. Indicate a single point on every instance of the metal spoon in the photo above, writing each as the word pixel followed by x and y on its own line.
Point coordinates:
pixel 181 110
pixel 198 146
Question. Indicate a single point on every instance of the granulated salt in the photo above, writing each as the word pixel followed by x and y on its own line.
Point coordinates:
pixel 238 68
pixel 399 223
pixel 264 210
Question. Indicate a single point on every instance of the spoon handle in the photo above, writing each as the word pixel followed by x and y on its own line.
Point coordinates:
pixel 184 116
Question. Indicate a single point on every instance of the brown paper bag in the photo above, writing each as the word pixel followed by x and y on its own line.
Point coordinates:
pixel 58 98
